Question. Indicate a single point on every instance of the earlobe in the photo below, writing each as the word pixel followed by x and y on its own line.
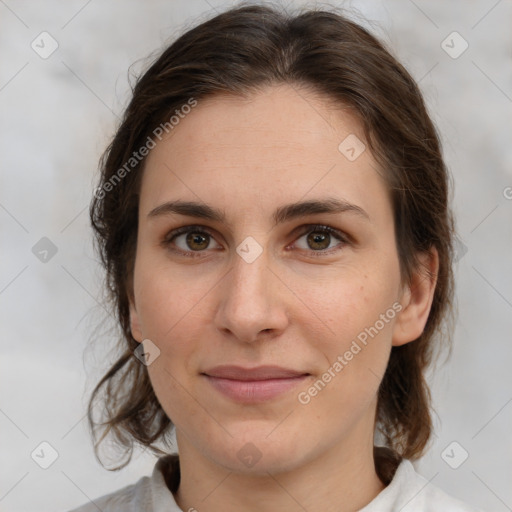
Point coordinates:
pixel 417 300
pixel 134 323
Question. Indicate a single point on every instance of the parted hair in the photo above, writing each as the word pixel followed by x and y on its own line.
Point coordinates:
pixel 240 51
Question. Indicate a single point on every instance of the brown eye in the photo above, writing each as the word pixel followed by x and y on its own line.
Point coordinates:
pixel 189 240
pixel 197 241
pixel 317 241
pixel 320 238
pixel 194 240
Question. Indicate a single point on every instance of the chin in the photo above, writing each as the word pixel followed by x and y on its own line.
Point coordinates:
pixel 255 452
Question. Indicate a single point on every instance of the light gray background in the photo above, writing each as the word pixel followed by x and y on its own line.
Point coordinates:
pixel 56 116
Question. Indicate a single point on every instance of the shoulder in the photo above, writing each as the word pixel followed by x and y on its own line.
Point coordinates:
pixel 127 499
pixel 148 494
pixel 427 496
pixel 410 492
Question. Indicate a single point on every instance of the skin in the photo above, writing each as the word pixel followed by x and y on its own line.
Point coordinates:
pixel 293 306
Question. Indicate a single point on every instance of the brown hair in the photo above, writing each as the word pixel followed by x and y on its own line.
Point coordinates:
pixel 237 52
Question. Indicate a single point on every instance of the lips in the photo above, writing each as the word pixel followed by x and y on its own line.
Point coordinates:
pixel 253 385
pixel 258 373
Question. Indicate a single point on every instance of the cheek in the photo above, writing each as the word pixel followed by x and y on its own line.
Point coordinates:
pixel 169 309
pixel 360 317
pixel 357 313
pixel 347 305
pixel 166 302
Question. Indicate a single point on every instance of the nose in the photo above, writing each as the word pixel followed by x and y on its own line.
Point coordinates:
pixel 252 303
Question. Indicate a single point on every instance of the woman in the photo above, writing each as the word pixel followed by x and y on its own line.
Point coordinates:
pixel 274 223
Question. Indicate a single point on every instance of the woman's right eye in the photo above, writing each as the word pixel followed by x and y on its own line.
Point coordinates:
pixel 190 240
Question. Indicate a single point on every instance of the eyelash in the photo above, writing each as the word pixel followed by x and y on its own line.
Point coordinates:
pixel 310 228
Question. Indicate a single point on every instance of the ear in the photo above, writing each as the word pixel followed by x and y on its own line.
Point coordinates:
pixel 135 323
pixel 416 300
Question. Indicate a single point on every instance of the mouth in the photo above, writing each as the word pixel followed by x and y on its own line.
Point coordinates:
pixel 253 385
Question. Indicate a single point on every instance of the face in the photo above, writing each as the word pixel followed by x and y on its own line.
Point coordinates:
pixel 274 324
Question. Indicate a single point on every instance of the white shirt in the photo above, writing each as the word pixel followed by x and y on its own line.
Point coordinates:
pixel 408 491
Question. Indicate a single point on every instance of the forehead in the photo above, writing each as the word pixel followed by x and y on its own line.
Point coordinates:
pixel 277 116
pixel 277 145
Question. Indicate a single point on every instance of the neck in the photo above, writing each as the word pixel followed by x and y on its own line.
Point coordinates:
pixel 343 479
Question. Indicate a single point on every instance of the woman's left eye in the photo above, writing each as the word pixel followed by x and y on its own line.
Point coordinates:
pixel 318 240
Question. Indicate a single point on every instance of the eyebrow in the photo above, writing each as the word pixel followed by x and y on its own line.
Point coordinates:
pixel 282 214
